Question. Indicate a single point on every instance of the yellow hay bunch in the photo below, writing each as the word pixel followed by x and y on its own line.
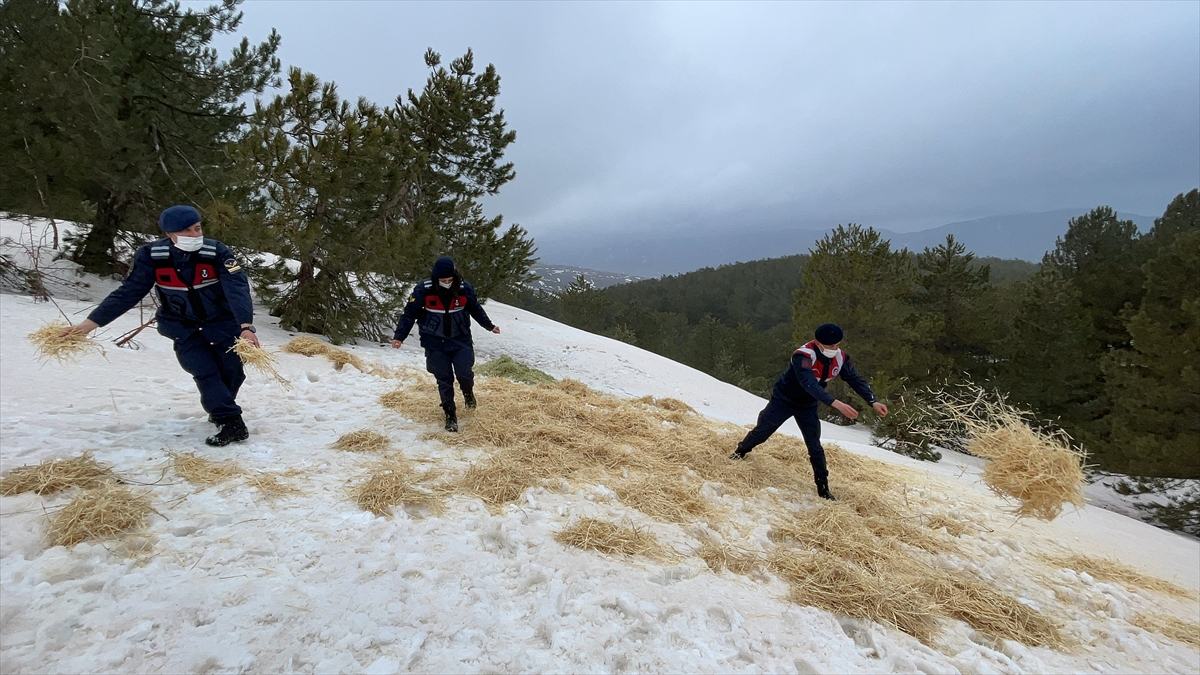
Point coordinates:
pixel 393 483
pixel 836 529
pixel 610 539
pixel 307 345
pixel 1042 471
pixel 993 613
pixel 341 357
pixel 52 344
pixel 826 581
pixel 719 556
pixel 201 471
pixel 953 526
pixel 503 478
pixel 53 476
pixel 363 440
pixel 1112 571
pixel 1187 632
pixel 671 404
pixel 1039 468
pixel 675 501
pixel 257 358
pixel 99 513
pixel 269 485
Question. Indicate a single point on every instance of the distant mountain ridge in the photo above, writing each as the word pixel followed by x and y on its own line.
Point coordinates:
pixel 655 252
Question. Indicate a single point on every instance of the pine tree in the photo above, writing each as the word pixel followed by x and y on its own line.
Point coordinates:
pixel 331 199
pixel 1048 361
pixel 954 309
pixel 584 306
pixel 1100 257
pixel 855 279
pixel 1155 385
pixel 122 102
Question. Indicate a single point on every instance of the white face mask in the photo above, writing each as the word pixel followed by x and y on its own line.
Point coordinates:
pixel 829 353
pixel 188 243
pixel 445 284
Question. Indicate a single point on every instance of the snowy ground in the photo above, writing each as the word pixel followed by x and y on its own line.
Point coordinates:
pixel 311 583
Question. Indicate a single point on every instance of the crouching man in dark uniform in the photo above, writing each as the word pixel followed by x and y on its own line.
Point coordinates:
pixel 800 389
pixel 442 307
pixel 204 305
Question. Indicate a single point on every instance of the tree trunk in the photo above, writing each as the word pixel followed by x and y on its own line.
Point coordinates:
pixel 96 253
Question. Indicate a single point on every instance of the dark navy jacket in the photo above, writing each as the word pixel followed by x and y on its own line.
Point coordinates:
pixel 218 304
pixel 803 383
pixel 441 328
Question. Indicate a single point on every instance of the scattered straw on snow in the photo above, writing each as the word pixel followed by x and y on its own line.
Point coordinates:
pixel 99 513
pixel 721 556
pixel 666 404
pixel 610 539
pixel 201 471
pixel 258 358
pixel 362 440
pixel 392 483
pixel 993 613
pixel 52 344
pixel 1187 632
pixel 269 485
pixel 307 345
pixel 1107 570
pixel 826 581
pixel 872 555
pixel 54 476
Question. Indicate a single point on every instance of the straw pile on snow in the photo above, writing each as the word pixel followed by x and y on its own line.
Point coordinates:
pixel 721 556
pixel 258 358
pixel 269 485
pixel 872 555
pixel 394 482
pixel 362 440
pixel 201 471
pixel 1187 632
pixel 1112 571
pixel 52 344
pixel 54 476
pixel 610 539
pixel 99 513
pixel 307 345
pixel 1039 468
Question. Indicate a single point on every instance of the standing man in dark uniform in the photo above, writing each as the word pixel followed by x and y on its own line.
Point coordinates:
pixel 440 306
pixel 800 389
pixel 204 306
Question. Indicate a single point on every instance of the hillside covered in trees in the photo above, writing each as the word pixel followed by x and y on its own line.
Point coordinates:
pixel 1100 340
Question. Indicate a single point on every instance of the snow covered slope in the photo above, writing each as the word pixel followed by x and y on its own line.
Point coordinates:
pixel 308 582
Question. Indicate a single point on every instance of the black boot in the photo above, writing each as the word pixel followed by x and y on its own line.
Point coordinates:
pixel 451 421
pixel 469 398
pixel 823 491
pixel 739 453
pixel 229 430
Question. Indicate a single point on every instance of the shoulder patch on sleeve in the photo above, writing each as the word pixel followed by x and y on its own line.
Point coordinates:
pixel 231 264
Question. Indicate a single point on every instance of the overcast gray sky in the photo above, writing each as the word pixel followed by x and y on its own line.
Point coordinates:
pixel 902 116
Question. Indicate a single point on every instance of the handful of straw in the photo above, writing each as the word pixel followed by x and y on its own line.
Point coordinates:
pixel 52 344
pixel 258 358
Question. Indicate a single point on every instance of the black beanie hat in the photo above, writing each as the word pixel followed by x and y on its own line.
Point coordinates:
pixel 176 218
pixel 444 267
pixel 829 334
